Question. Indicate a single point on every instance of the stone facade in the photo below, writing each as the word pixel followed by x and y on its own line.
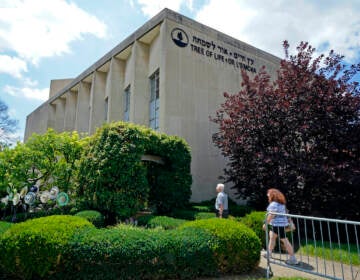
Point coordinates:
pixel 187 65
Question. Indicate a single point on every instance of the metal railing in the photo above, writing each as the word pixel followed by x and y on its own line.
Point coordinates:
pixel 328 248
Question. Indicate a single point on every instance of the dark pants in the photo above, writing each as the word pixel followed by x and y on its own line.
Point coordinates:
pixel 225 213
pixel 280 231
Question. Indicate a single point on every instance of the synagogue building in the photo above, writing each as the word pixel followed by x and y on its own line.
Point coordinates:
pixel 169 75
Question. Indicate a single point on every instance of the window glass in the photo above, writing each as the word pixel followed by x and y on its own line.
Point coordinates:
pixel 154 101
pixel 106 109
pixel 127 104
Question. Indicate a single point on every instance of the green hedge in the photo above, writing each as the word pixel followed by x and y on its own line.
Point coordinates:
pixel 164 222
pixel 114 180
pixel 94 217
pixel 144 219
pixel 237 248
pixel 234 209
pixel 255 221
pixel 191 214
pixel 126 252
pixel 4 226
pixel 68 247
pixel 33 249
pixel 24 216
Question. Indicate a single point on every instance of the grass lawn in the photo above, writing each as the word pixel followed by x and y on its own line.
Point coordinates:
pixel 343 253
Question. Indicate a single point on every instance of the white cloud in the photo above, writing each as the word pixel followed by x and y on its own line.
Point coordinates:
pixel 35 28
pixel 12 113
pixel 29 82
pixel 152 7
pixel 12 65
pixel 28 92
pixel 266 24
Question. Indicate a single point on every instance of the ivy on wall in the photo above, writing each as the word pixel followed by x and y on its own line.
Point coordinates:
pixel 114 180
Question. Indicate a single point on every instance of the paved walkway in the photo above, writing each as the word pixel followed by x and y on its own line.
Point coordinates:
pixel 306 263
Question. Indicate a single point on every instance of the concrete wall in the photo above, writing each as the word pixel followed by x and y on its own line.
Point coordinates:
pixel 196 66
pixel 58 85
pixel 196 76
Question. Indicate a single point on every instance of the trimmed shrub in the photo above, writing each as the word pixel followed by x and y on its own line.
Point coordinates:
pixel 204 215
pixel 183 214
pixel 191 214
pixel 94 217
pixel 255 221
pixel 24 216
pixel 34 248
pixel 144 220
pixel 240 210
pixel 114 180
pixel 234 209
pixel 203 208
pixel 4 226
pixel 126 252
pixel 164 222
pixel 237 248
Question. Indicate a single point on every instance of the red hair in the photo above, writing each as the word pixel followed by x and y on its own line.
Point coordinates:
pixel 276 195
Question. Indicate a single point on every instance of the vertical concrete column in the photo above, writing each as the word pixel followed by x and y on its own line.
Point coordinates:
pixel 97 101
pixel 59 114
pixel 164 83
pixel 115 89
pixel 83 108
pixel 140 95
pixel 70 110
pixel 51 115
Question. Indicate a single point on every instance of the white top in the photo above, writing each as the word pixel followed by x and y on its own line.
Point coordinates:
pixel 221 199
pixel 278 220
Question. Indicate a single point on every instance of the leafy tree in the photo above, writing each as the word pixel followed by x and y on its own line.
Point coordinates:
pixel 8 126
pixel 299 133
pixel 45 160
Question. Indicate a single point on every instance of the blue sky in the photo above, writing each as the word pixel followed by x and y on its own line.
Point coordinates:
pixel 41 40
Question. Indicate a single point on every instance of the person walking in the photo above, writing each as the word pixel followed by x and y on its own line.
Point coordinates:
pixel 278 223
pixel 221 203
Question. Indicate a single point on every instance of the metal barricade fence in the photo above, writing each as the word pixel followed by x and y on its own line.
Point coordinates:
pixel 328 248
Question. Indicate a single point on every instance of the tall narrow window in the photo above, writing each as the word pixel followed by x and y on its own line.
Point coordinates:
pixel 154 101
pixel 106 108
pixel 127 104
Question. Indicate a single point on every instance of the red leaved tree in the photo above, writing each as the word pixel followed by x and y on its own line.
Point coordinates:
pixel 299 133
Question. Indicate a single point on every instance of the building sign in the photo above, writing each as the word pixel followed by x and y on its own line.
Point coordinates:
pixel 179 37
pixel 214 51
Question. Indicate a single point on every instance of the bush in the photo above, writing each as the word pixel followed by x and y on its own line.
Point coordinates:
pixel 203 208
pixel 94 217
pixel 191 214
pixel 204 215
pixel 126 252
pixel 234 209
pixel 144 220
pixel 255 221
pixel 240 210
pixel 34 248
pixel 24 216
pixel 237 248
pixel 183 214
pixel 4 226
pixel 114 180
pixel 164 222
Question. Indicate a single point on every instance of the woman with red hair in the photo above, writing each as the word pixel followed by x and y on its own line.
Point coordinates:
pixel 278 223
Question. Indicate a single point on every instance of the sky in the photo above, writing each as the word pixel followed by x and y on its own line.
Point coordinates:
pixel 42 40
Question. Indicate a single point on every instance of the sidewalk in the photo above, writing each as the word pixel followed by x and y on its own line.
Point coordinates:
pixel 306 263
